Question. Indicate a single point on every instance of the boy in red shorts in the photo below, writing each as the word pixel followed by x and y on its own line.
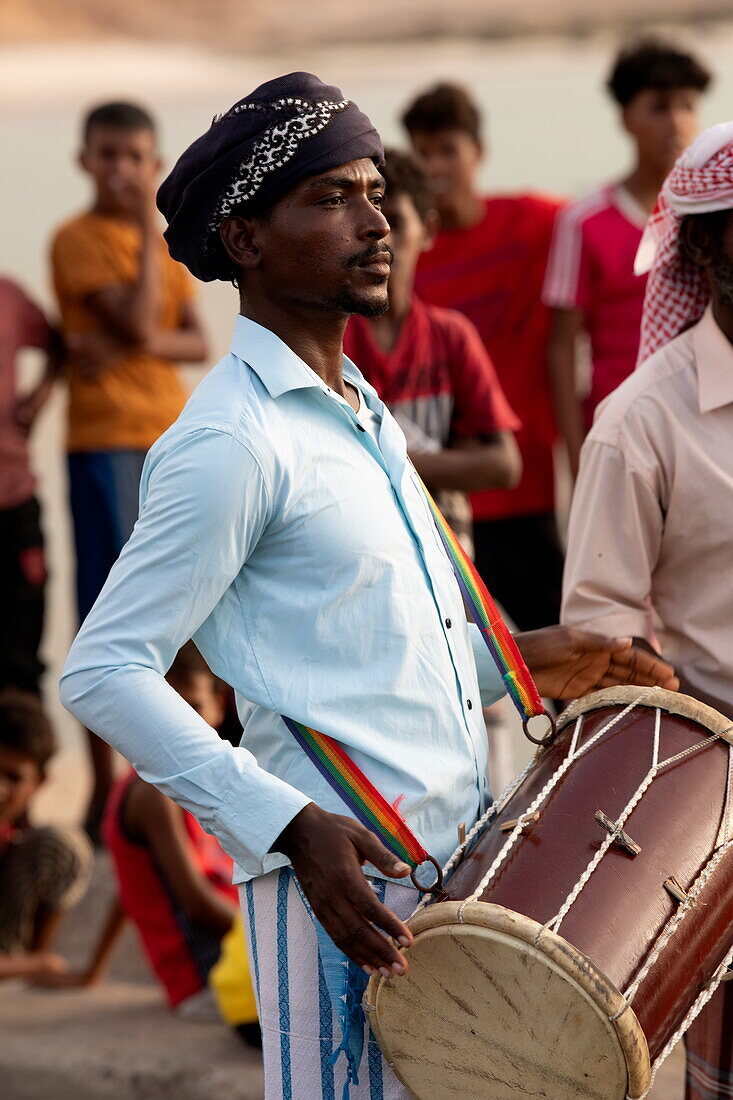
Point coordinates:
pixel 488 262
pixel 590 282
pixel 430 367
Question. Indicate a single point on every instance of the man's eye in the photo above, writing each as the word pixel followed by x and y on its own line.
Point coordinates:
pixel 377 200
pixel 333 200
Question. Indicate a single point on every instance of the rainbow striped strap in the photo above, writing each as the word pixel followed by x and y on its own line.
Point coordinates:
pixel 494 631
pixel 336 766
pixel 360 795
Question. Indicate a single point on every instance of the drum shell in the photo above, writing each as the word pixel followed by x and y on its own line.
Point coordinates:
pixel 622 909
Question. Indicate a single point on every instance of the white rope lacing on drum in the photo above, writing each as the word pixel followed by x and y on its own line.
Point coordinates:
pixel 705 995
pixel 673 923
pixel 495 808
pixel 573 754
pixel 656 768
pixel 549 786
pixel 554 923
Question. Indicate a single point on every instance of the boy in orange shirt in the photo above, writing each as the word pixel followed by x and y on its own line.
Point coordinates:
pixel 128 317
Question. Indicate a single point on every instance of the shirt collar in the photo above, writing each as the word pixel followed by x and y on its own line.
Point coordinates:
pixel 714 362
pixel 280 370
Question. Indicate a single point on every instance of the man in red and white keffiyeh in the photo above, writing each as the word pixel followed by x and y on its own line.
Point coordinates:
pixel 651 522
pixel 701 182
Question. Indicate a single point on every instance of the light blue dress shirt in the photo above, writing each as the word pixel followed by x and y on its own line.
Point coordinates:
pixel 302 558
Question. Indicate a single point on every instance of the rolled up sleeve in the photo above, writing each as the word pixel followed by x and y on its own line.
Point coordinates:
pixel 614 539
pixel 206 506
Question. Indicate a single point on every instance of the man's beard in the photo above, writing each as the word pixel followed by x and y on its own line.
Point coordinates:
pixel 346 302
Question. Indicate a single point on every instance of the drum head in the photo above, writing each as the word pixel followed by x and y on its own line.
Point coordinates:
pixel 494 1007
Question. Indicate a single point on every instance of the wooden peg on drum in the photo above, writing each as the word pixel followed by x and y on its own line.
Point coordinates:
pixel 673 887
pixel 622 839
pixel 527 819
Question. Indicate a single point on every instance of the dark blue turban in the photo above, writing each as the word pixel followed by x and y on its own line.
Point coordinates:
pixel 289 128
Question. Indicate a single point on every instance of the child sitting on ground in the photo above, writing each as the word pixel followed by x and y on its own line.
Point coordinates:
pixel 174 880
pixel 43 871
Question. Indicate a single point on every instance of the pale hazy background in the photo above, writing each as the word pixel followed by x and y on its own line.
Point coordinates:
pixel 549 125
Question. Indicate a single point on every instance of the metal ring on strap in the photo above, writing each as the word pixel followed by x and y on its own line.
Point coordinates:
pixel 549 735
pixel 437 886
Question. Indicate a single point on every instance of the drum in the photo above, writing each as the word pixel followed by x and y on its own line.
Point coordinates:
pixel 584 921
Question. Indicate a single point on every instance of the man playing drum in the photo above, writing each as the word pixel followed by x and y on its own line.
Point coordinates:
pixel 283 528
pixel 651 526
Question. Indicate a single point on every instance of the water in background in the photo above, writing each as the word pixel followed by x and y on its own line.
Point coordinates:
pixel 550 127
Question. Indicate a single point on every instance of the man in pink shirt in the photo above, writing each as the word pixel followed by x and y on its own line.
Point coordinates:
pixel 652 519
pixel 22 567
pixel 590 282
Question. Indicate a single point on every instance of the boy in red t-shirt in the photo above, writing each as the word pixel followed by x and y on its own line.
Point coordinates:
pixel 431 368
pixel 488 262
pixel 590 282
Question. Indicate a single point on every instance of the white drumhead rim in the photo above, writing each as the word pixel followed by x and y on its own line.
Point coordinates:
pixel 607 1000
pixel 671 702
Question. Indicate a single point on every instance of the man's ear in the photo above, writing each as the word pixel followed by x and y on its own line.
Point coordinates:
pixel 431 228
pixel 238 238
pixel 695 242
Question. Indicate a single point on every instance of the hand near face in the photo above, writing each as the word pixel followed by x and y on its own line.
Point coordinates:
pixel 567 663
pixel 327 852
pixel 136 194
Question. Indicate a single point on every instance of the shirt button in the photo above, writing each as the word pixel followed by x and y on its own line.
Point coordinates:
pixel 469 704
pixel 448 624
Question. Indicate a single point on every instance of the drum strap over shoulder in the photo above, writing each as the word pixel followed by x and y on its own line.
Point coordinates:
pixel 336 766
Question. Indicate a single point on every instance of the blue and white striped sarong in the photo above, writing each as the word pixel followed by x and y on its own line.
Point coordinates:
pixel 308 992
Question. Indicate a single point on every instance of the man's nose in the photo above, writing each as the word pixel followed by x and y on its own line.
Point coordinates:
pixel 376 226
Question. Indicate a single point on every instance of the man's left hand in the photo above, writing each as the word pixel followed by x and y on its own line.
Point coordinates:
pixel 567 663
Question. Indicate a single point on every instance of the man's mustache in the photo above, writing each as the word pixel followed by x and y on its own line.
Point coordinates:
pixel 370 253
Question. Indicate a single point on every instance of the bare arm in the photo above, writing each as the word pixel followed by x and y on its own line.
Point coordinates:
pixel 567 324
pixel 30 404
pixel 31 965
pixel 101 958
pixel 160 822
pixel 130 311
pixel 472 464
pixel 185 344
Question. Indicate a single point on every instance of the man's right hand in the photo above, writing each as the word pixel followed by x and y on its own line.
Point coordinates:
pixel 327 852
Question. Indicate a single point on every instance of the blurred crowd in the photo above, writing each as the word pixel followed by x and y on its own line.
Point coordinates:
pixel 511 317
